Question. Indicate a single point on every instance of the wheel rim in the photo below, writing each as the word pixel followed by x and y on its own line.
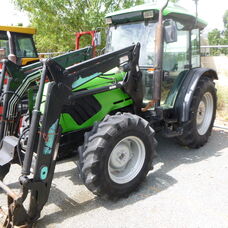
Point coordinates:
pixel 204 113
pixel 126 160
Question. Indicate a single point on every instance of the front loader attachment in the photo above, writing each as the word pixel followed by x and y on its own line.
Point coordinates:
pixel 43 140
pixel 45 130
pixel 19 83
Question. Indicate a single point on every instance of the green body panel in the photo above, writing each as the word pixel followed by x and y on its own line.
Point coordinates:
pixel 109 101
pixel 106 100
pixel 170 10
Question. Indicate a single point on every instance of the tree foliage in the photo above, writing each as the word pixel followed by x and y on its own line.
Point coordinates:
pixel 217 37
pixel 214 38
pixel 154 1
pixel 225 19
pixel 58 20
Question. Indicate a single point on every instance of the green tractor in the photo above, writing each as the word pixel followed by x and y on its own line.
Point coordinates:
pixel 107 108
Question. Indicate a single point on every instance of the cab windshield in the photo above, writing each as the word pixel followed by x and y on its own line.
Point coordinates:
pixel 123 35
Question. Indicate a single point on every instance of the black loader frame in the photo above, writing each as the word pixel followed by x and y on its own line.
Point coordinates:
pixel 20 79
pixel 44 140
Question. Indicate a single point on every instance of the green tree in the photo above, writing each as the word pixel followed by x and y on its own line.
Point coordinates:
pixel 225 33
pixel 225 19
pixel 58 20
pixel 151 1
pixel 217 37
pixel 214 38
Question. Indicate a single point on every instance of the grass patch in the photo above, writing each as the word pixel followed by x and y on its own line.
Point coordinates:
pixel 222 103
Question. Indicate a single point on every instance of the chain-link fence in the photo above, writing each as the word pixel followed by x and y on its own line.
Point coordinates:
pixel 215 57
pixel 214 50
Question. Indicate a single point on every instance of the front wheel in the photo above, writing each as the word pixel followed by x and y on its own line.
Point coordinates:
pixel 117 155
pixel 202 115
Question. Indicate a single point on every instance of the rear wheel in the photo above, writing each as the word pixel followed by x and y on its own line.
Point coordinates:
pixel 202 115
pixel 117 155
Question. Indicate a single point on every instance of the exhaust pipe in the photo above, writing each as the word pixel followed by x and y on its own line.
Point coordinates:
pixel 158 57
pixel 157 77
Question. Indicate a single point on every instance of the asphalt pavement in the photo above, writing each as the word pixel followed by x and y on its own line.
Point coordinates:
pixel 187 188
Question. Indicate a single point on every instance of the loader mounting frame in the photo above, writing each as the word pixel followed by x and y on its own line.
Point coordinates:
pixel 44 140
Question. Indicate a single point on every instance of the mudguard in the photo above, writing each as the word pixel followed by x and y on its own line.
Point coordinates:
pixel 185 95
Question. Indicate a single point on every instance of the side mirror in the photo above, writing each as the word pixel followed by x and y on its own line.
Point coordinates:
pixel 170 31
pixel 97 39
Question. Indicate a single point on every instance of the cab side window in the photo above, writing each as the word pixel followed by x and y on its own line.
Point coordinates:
pixel 175 64
pixel 195 42
pixel 4 45
pixel 175 57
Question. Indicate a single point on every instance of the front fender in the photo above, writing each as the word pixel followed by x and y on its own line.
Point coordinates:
pixel 185 95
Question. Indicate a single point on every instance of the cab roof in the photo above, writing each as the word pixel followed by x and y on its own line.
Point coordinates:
pixel 18 29
pixel 172 10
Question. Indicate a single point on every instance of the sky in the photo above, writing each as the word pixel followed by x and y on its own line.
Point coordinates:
pixel 210 10
pixel 10 15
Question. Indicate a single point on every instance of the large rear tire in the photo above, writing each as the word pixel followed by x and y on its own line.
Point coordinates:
pixel 117 155
pixel 202 115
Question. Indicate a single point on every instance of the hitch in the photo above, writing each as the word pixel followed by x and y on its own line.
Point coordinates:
pixel 17 216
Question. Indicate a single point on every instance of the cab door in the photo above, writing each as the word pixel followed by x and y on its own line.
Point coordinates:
pixel 175 62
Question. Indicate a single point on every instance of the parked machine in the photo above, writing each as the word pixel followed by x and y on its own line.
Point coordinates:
pixel 17 44
pixel 95 38
pixel 149 80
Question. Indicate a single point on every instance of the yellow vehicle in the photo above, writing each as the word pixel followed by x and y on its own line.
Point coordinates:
pixel 17 44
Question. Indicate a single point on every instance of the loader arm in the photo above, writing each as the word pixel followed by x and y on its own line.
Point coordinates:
pixel 44 135
pixel 20 79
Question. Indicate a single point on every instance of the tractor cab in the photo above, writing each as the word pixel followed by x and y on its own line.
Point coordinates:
pixel 180 44
pixel 17 45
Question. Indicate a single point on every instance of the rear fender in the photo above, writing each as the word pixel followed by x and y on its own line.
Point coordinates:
pixel 185 95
